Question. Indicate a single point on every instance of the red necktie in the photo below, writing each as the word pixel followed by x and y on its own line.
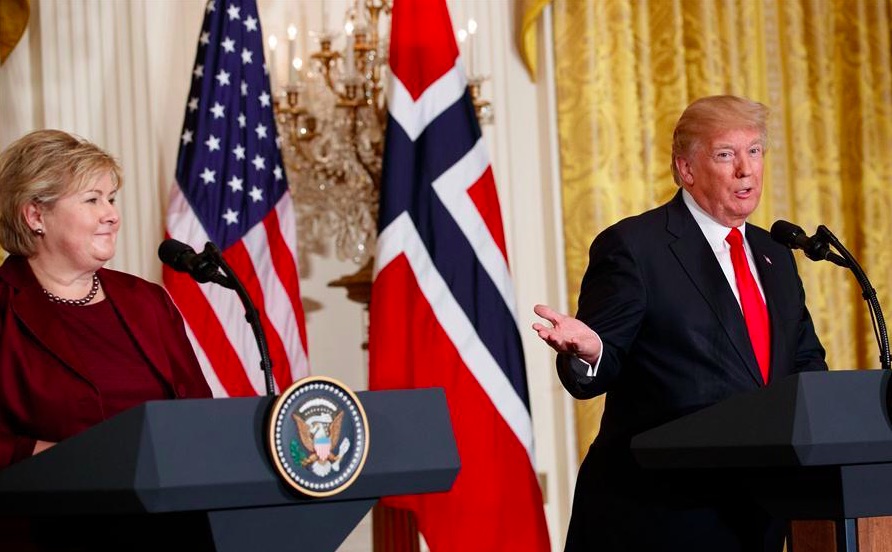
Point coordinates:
pixel 754 311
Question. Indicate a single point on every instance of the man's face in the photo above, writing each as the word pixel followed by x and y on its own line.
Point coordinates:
pixel 723 174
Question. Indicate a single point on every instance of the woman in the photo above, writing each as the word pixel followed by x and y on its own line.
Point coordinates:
pixel 80 343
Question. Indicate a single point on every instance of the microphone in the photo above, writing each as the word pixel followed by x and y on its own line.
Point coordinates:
pixel 817 248
pixel 201 266
pixel 210 266
pixel 794 237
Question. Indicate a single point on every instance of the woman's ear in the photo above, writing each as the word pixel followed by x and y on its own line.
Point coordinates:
pixel 33 213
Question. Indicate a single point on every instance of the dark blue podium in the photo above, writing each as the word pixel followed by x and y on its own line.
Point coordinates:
pixel 816 445
pixel 195 474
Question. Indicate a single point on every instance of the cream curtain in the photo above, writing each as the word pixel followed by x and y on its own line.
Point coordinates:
pixel 625 69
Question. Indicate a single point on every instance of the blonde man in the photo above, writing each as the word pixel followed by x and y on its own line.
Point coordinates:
pixel 682 307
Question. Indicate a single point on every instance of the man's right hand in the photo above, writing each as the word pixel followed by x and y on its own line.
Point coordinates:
pixel 568 335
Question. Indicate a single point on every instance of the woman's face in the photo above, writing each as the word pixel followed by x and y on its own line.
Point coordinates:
pixel 81 228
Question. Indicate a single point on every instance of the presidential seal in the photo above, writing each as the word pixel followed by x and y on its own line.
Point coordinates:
pixel 318 436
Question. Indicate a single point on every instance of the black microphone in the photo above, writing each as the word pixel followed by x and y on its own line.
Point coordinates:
pixel 210 266
pixel 794 237
pixel 202 266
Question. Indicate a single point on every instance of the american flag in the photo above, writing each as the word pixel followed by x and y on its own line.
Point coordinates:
pixel 231 189
pixel 442 311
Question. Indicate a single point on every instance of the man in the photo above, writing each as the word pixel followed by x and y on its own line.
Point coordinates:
pixel 680 308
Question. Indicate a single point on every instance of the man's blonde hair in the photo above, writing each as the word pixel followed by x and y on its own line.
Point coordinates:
pixel 42 167
pixel 713 114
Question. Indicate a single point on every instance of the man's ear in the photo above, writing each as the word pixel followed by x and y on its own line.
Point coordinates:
pixel 33 213
pixel 684 170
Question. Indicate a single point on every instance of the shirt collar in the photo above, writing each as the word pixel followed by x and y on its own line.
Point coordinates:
pixel 714 231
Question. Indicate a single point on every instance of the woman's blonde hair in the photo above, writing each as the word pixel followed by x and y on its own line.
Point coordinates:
pixel 712 114
pixel 42 167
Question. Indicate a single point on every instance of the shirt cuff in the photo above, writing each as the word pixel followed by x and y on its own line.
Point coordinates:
pixel 591 371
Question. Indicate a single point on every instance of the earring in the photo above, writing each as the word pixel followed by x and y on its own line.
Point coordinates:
pixel 39 231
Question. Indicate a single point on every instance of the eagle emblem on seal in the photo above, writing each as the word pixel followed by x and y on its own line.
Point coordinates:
pixel 318 436
pixel 319 429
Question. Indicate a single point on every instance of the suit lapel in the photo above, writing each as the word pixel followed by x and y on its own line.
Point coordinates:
pixel 33 310
pixel 31 307
pixel 699 263
pixel 139 320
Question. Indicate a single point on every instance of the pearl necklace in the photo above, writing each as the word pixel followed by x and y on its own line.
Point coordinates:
pixel 75 302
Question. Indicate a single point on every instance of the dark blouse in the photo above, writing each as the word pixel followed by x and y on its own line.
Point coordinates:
pixel 116 366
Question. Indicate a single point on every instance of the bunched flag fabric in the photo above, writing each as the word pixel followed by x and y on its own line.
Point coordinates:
pixel 442 310
pixel 231 189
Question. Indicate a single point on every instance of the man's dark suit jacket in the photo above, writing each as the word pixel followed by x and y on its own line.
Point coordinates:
pixel 675 341
pixel 45 392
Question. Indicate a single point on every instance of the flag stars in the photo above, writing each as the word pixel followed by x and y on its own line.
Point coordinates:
pixel 233 12
pixel 213 143
pixel 223 78
pixel 228 45
pixel 205 38
pixel 264 99
pixel 235 183
pixel 187 137
pixel 261 131
pixel 218 110
pixel 244 88
pixel 193 103
pixel 258 162
pixel 278 172
pixel 239 152
pixel 256 194
pixel 208 176
pixel 198 71
pixel 230 216
pixel 250 23
pixel 210 6
pixel 247 56
pixel 242 121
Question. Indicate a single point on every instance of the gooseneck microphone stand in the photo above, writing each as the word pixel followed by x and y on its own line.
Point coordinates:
pixel 251 314
pixel 846 530
pixel 867 291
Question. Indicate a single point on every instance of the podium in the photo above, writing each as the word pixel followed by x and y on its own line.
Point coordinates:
pixel 816 445
pixel 195 474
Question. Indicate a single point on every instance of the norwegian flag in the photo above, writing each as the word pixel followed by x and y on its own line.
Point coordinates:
pixel 231 189
pixel 442 311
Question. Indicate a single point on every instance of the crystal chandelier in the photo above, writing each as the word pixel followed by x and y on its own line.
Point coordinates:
pixel 332 116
